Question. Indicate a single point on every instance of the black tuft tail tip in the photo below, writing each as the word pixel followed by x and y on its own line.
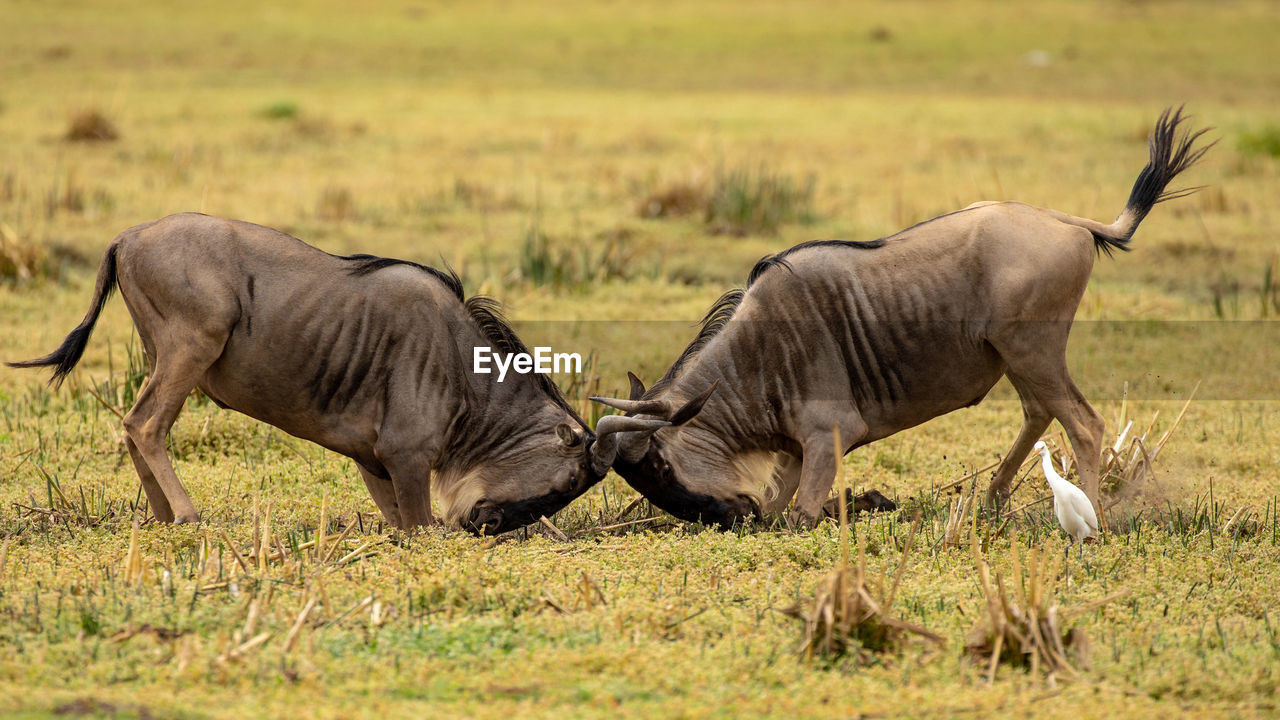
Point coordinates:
pixel 64 359
pixel 1172 149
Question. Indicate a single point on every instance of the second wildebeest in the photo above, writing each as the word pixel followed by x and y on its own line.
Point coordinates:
pixel 367 356
pixel 871 338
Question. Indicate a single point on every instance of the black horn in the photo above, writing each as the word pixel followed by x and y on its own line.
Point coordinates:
pixel 637 387
pixel 694 406
pixel 636 407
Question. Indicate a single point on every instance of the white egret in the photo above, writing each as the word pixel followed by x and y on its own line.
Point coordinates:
pixel 1075 512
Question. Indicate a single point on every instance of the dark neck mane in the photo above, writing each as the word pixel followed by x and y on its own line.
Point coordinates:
pixel 485 312
pixel 723 310
pixel 712 323
pixel 487 315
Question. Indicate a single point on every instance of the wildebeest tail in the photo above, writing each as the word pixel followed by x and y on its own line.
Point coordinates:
pixel 1172 152
pixel 68 353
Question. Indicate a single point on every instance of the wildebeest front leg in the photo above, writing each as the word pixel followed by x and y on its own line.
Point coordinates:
pixel 411 483
pixel 818 469
pixel 384 494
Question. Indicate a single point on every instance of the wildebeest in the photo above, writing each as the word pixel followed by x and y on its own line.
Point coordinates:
pixel 875 337
pixel 366 356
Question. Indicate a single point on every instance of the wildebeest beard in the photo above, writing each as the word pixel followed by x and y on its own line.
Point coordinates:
pixel 654 478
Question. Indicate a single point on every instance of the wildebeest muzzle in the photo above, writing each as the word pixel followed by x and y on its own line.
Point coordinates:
pixel 653 477
pixel 491 518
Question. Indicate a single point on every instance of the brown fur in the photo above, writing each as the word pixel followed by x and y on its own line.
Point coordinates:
pixel 369 357
pixel 873 338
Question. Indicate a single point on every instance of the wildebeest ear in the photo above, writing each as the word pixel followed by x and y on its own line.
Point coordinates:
pixel 693 407
pixel 569 436
pixel 637 387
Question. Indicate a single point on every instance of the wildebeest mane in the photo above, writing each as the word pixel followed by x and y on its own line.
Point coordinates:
pixel 364 264
pixel 485 312
pixel 712 323
pixel 780 259
pixel 722 311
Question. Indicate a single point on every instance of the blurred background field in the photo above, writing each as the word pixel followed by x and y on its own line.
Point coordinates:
pixel 607 170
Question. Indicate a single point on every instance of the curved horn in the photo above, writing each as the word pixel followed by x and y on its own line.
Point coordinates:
pixel 637 386
pixel 610 424
pixel 609 431
pixel 639 407
pixel 693 407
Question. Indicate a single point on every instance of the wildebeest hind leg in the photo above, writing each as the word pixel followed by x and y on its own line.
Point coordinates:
pixel 384 494
pixel 147 423
pixel 155 494
pixel 1085 428
pixel 1035 418
pixel 1039 360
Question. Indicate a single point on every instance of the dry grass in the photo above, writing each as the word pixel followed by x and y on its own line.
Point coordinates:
pixel 20 258
pixel 91 126
pixel 851 615
pixel 1128 463
pixel 736 201
pixel 847 616
pixel 336 204
pixel 67 509
pixel 677 199
pixel 1025 626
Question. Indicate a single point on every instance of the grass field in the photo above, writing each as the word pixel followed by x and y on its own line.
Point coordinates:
pixel 607 170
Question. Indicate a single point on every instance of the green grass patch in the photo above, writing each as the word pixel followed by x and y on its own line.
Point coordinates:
pixel 743 202
pixel 281 110
pixel 737 201
pixel 1263 141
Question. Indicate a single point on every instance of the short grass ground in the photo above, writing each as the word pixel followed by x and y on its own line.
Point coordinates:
pixel 542 150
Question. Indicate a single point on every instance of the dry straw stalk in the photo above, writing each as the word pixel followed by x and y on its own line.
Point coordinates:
pixel 1024 629
pixel 846 616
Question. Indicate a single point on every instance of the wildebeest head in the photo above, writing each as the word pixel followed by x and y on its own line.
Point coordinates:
pixel 677 468
pixel 537 475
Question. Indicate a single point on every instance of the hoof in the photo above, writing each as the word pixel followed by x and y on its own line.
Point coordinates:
pixel 484 520
pixel 868 502
pixel 801 520
pixel 997 499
